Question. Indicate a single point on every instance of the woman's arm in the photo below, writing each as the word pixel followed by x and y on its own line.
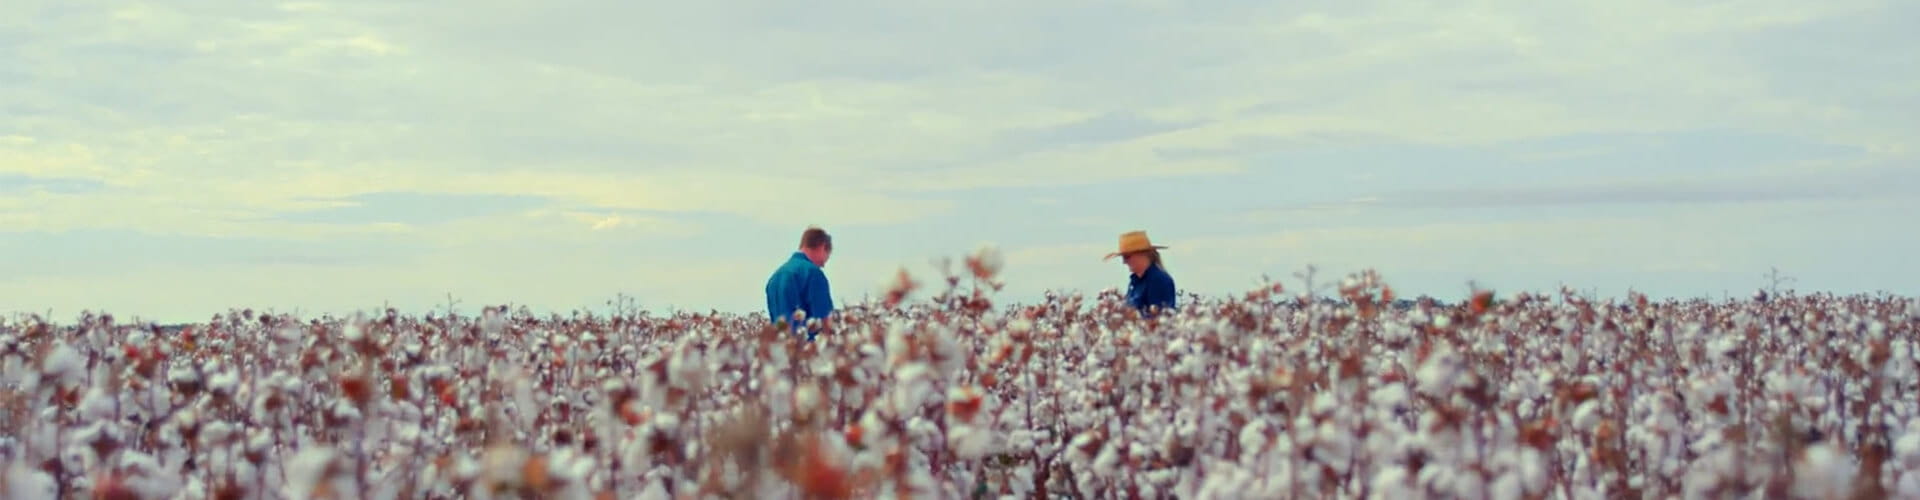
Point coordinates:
pixel 1160 292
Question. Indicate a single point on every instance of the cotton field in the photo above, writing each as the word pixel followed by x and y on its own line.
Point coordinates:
pixel 938 392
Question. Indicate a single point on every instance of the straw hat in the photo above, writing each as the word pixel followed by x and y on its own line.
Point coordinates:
pixel 1134 241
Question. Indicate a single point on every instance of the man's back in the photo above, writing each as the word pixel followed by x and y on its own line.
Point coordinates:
pixel 798 284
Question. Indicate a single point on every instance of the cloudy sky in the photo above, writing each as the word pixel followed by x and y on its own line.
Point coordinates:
pixel 173 159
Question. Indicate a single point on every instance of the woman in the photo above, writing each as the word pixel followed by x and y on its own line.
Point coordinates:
pixel 1149 288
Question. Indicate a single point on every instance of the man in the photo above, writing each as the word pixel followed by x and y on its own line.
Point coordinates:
pixel 800 285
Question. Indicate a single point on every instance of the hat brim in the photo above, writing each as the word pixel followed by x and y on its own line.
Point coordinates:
pixel 1150 247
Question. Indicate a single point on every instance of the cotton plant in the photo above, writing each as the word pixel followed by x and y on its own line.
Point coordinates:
pixel 937 390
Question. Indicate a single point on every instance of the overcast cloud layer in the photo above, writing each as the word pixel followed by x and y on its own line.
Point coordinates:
pixel 173 159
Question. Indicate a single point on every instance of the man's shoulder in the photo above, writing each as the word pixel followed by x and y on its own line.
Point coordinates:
pixel 798 269
pixel 788 271
pixel 793 264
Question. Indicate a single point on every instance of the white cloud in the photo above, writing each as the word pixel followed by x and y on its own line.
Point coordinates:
pixel 1669 253
pixel 636 119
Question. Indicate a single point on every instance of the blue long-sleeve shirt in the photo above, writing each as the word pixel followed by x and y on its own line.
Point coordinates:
pixel 1151 288
pixel 798 285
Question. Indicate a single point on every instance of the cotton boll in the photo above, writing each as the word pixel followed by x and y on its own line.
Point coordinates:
pixel 1906 449
pixel 1106 465
pixel 216 432
pixel 224 382
pixel 807 399
pixel 97 405
pixel 1822 472
pixel 1587 416
pixel 1908 486
pixel 307 470
pixel 948 353
pixel 1335 446
pixel 1507 486
pixel 1392 482
pixel 1253 436
pixel 969 442
pixel 655 490
pixel 1389 396
pixel 913 388
pixel 687 370
pixel 1440 372
pixel 896 343
pixel 63 366
pixel 147 479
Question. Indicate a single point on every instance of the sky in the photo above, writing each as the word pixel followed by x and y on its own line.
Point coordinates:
pixel 172 160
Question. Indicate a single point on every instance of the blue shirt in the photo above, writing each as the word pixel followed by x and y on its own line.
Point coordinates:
pixel 798 285
pixel 1151 288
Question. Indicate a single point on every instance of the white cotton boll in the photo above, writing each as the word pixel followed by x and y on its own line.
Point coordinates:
pixel 949 353
pixel 215 432
pixel 896 343
pixel 1822 472
pixel 492 323
pixel 11 373
pixel 574 467
pixel 158 484
pixel 969 442
pixel 355 332
pixel 224 382
pixel 1438 375
pixel 182 375
pixel 1469 485
pixel 1325 402
pixel 912 387
pixel 1908 486
pixel 1724 345
pixel 98 405
pixel 1076 451
pixel 63 366
pixel 655 490
pixel 1391 482
pixel 406 433
pixel 687 370
pixel 1106 464
pixel 28 483
pixel 1906 449
pixel 1253 436
pixel 805 399
pixel 1437 477
pixel 344 410
pixel 1506 487
pixel 503 464
pixel 1335 446
pixel 921 430
pixel 306 470
pixel 1021 441
pixel 1587 416
pixel 1389 396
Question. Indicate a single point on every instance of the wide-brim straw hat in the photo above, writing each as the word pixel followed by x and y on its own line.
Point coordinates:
pixel 1134 241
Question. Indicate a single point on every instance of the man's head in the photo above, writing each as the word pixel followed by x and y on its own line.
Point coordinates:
pixel 817 244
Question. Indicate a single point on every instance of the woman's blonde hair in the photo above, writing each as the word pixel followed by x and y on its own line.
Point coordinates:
pixel 1153 257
